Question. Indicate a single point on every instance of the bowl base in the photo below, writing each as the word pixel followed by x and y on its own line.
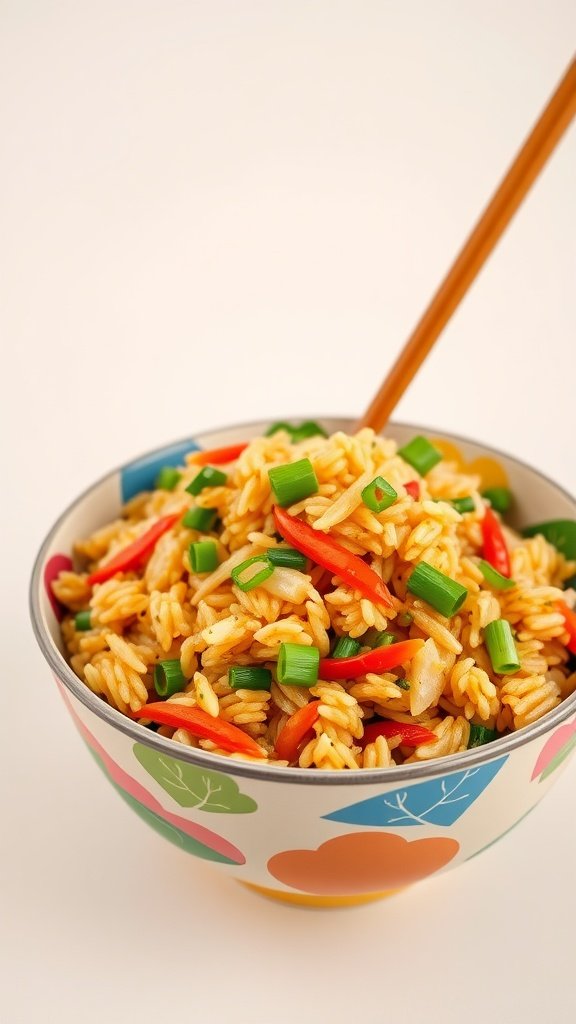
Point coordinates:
pixel 317 900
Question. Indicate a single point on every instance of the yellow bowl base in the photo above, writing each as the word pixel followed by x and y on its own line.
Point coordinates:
pixel 317 900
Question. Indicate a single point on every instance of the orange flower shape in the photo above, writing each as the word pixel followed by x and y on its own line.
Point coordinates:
pixel 490 470
pixel 362 862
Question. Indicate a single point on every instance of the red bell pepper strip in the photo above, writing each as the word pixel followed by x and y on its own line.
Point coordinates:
pixel 217 456
pixel 413 489
pixel 325 551
pixel 570 624
pixel 378 660
pixel 411 735
pixel 131 556
pixel 290 737
pixel 495 549
pixel 201 724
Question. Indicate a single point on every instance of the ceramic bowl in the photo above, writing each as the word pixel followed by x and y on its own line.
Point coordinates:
pixel 300 835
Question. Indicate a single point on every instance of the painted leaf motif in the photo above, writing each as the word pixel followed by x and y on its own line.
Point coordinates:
pixel 175 835
pixel 195 787
pixel 54 566
pixel 141 474
pixel 556 749
pixel 170 827
pixel 194 838
pixel 436 802
pixel 561 756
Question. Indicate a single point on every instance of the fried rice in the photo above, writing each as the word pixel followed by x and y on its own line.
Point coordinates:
pixel 206 623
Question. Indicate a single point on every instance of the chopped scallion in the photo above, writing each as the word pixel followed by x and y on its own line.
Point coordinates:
pixel 82 621
pixel 420 454
pixel 346 647
pixel 405 619
pixel 379 494
pixel 463 505
pixel 379 638
pixel 402 683
pixel 167 478
pixel 248 677
pixel 479 735
pixel 201 519
pixel 288 557
pixel 559 532
pixel 203 556
pixel 298 665
pixel 168 678
pixel 252 572
pixel 500 498
pixel 501 647
pixel 293 481
pixel 207 477
pixel 493 577
pixel 437 589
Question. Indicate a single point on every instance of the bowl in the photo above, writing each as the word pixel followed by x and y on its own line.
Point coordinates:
pixel 304 836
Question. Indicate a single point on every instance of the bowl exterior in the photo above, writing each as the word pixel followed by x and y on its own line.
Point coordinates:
pixel 303 836
pixel 338 843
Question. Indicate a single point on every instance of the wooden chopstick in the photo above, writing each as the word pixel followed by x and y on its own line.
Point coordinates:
pixel 528 163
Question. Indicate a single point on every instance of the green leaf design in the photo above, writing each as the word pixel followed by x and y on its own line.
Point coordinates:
pixel 195 787
pixel 559 532
pixel 560 756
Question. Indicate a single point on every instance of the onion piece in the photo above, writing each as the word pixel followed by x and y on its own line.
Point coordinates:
pixel 426 676
pixel 288 584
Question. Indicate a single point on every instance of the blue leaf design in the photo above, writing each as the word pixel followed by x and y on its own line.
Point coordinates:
pixel 141 474
pixel 436 802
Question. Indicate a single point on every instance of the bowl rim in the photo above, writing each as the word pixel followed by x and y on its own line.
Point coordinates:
pixel 268 771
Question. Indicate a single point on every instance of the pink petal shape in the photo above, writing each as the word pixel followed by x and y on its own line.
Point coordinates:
pixel 54 566
pixel 203 835
pixel 549 751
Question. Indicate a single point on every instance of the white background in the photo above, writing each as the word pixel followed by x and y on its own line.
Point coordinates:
pixel 216 211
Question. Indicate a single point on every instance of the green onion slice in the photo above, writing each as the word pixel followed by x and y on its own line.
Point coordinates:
pixel 252 572
pixel 201 519
pixel 379 638
pixel 500 498
pixel 82 621
pixel 437 589
pixel 402 683
pixel 207 477
pixel 168 678
pixel 288 557
pixel 559 532
pixel 501 647
pixel 346 647
pixel 464 505
pixel 420 454
pixel 298 665
pixel 167 478
pixel 493 577
pixel 479 735
pixel 405 619
pixel 248 677
pixel 379 494
pixel 203 556
pixel 292 482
